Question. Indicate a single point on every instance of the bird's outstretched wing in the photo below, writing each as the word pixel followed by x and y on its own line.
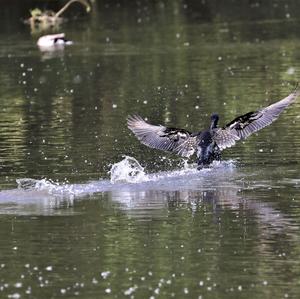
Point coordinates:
pixel 251 122
pixel 178 141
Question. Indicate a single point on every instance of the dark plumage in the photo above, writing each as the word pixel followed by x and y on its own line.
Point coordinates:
pixel 209 143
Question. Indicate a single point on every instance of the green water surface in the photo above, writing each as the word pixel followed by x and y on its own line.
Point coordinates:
pixel 230 233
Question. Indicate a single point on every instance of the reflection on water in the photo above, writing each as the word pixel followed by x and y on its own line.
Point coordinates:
pixel 159 228
pixel 144 196
pixel 183 215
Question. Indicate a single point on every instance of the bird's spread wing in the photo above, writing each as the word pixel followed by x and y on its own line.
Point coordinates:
pixel 179 141
pixel 245 125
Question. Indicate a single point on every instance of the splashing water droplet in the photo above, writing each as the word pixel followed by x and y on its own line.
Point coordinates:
pixel 32 184
pixel 128 170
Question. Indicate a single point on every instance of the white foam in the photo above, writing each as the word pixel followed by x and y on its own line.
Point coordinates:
pixel 128 182
pixel 128 170
pixel 127 173
pixel 39 185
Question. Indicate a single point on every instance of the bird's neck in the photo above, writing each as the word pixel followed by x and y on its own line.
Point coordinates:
pixel 213 124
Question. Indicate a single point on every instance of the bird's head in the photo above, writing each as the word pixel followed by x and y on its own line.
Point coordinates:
pixel 214 118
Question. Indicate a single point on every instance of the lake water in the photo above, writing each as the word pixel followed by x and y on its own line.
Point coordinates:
pixel 74 220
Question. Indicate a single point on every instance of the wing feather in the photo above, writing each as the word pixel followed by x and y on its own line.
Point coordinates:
pixel 251 122
pixel 179 141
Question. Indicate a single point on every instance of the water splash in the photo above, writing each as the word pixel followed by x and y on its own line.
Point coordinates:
pixel 126 176
pixel 129 185
pixel 46 186
pixel 129 170
pixel 32 184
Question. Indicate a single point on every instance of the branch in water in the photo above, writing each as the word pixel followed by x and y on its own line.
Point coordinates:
pixel 49 18
pixel 83 2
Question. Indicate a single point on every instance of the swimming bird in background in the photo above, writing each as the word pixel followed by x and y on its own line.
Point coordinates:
pixel 207 144
pixel 53 40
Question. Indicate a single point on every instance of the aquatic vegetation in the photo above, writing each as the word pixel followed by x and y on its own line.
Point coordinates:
pixel 43 20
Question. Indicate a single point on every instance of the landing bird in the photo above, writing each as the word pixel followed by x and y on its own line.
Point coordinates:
pixel 207 144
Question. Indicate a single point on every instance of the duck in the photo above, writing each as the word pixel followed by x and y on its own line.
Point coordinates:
pixel 53 40
pixel 210 142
